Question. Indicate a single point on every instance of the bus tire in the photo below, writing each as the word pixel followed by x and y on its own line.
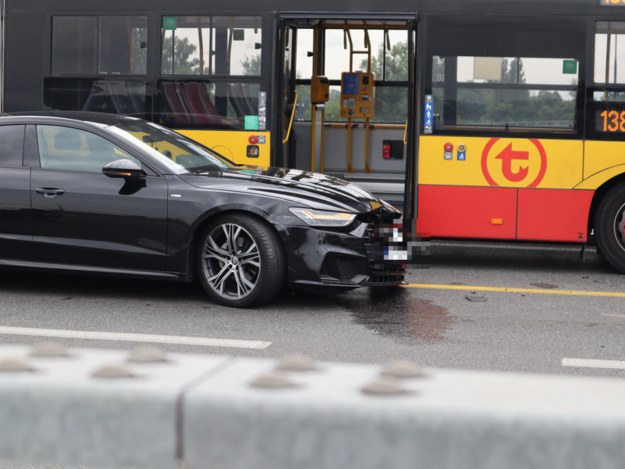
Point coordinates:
pixel 240 261
pixel 610 228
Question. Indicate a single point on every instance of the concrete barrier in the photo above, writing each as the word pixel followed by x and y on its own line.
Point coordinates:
pixel 218 412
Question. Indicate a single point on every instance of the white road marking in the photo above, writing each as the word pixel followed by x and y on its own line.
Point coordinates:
pixel 615 315
pixel 587 363
pixel 126 337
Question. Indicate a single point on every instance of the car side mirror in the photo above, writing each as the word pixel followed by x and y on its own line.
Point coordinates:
pixel 123 168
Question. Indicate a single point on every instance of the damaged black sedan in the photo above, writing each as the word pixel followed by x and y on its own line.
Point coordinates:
pixel 116 195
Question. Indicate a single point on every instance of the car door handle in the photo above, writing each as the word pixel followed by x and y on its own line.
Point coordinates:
pixel 49 191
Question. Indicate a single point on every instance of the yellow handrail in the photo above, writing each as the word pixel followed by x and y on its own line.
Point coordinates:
pixel 406 133
pixel 288 132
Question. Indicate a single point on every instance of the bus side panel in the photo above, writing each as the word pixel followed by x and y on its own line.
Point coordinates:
pixel 553 215
pixel 466 212
pixel 23 60
pixel 601 156
pixel 234 144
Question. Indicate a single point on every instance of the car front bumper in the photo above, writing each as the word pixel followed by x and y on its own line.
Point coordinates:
pixel 369 255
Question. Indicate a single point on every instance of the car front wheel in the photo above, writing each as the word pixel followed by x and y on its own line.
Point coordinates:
pixel 240 261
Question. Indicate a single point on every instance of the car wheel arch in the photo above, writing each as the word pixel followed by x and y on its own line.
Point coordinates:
pixel 209 217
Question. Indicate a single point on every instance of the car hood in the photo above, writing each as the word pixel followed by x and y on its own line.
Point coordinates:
pixel 312 189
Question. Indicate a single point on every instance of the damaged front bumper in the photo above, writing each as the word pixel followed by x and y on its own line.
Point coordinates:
pixel 373 253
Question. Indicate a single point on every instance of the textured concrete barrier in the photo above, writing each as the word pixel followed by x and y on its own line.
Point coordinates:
pixel 218 412
pixel 94 408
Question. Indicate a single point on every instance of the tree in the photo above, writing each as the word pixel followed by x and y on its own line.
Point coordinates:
pixel 251 65
pixel 391 103
pixel 181 55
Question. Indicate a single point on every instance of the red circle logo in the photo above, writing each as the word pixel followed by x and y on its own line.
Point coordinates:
pixel 517 163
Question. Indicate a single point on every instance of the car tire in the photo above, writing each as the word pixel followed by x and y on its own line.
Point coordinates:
pixel 240 261
pixel 610 226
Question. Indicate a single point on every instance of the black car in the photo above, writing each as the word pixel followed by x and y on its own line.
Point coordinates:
pixel 117 195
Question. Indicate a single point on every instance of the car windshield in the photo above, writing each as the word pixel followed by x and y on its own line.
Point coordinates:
pixel 177 151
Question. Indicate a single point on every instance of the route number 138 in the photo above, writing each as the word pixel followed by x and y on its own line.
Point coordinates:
pixel 613 121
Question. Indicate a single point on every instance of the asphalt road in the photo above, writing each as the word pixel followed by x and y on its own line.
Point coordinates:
pixel 458 311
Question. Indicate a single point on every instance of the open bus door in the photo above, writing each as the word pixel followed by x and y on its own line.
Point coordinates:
pixel 347 101
pixel 411 134
pixel 287 94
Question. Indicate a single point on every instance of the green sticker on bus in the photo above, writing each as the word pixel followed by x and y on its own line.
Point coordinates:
pixel 569 67
pixel 170 23
pixel 251 123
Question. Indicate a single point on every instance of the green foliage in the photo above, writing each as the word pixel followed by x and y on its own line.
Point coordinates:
pixel 183 64
pixel 513 107
pixel 251 65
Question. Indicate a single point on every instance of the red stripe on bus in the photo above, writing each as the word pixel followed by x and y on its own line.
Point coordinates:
pixel 466 212
pixel 553 215
pixel 491 213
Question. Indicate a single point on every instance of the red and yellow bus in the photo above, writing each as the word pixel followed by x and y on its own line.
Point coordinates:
pixel 482 120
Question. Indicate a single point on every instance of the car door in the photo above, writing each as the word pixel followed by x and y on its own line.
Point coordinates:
pixel 15 216
pixel 82 217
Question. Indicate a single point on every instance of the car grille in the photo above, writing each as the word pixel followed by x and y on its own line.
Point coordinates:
pixel 380 243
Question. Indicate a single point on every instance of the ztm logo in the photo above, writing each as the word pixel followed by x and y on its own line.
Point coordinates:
pixel 520 163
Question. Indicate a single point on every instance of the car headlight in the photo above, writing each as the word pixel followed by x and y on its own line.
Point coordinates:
pixel 323 218
pixel 390 208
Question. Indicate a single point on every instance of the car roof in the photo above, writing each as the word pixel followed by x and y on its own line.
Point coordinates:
pixel 81 116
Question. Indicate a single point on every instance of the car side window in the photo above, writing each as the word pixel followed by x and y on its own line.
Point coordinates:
pixel 11 145
pixel 67 149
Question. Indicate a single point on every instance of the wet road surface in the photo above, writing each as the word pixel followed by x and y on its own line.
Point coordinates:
pixel 472 307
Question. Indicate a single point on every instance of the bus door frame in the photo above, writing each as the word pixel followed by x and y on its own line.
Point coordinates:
pixel 284 93
pixel 413 124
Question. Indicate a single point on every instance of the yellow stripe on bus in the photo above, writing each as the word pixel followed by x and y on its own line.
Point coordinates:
pixel 533 291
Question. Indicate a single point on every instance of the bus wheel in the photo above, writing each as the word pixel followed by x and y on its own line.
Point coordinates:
pixel 610 228
pixel 240 261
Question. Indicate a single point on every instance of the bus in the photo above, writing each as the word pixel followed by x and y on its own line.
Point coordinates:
pixel 481 120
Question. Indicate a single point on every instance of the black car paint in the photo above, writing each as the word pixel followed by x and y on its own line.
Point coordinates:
pixel 150 227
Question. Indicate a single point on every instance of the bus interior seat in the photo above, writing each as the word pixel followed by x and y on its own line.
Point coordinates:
pixel 237 100
pixel 200 104
pixel 178 111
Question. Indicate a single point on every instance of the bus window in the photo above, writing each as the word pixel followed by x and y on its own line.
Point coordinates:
pixel 211 49
pixel 186 45
pixel 504 76
pixel 609 40
pixel 99 45
pixel 507 92
pixel 238 44
pixel 388 64
pixel 608 105
pixel 219 104
pixel 117 96
pixel 205 45
pixel 74 44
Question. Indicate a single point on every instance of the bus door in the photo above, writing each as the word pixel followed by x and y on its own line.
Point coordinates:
pixel 287 95
pixel 348 98
pixel 503 154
